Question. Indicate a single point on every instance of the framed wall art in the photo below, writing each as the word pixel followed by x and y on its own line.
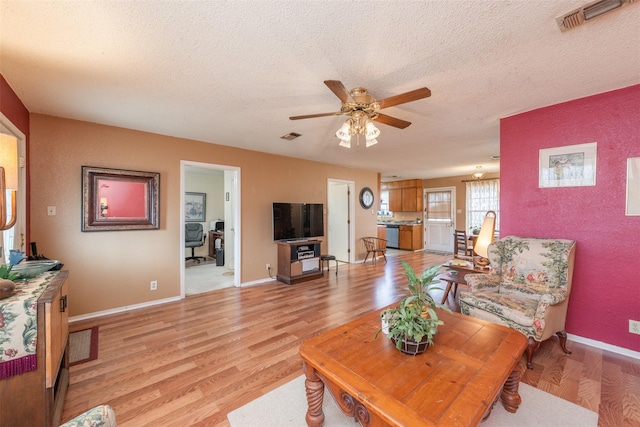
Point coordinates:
pixel 116 199
pixel 633 186
pixel 195 207
pixel 568 166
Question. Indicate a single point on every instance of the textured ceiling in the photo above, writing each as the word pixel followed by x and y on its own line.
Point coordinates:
pixel 232 73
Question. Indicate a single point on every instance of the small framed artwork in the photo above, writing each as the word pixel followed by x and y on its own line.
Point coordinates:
pixel 195 207
pixel 116 199
pixel 568 166
pixel 633 186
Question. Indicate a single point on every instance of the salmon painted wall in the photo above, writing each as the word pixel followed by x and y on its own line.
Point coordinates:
pixel 15 111
pixel 111 270
pixel 606 284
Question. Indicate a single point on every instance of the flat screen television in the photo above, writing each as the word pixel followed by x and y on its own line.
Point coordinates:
pixel 295 221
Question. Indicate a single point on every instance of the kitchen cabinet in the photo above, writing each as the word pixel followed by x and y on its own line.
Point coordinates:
pixel 404 196
pixel 382 232
pixel 410 237
pixel 395 200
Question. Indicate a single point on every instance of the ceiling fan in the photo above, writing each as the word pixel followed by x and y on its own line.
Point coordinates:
pixel 358 103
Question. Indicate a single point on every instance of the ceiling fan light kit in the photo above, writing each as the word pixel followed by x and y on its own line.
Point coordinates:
pixel 363 110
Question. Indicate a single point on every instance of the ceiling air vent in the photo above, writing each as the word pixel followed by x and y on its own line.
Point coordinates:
pixel 290 136
pixel 587 12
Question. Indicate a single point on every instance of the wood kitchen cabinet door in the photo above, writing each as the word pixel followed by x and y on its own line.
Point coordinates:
pixel 409 199
pixel 395 200
pixel 405 237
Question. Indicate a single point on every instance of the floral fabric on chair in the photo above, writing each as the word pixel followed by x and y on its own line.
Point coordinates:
pixel 100 416
pixel 527 290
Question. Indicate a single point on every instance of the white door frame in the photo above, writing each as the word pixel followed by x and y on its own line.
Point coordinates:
pixel 234 196
pixel 19 229
pixel 424 212
pixel 352 229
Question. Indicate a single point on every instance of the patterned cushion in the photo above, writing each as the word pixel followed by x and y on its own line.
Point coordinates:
pixel 100 416
pixel 511 307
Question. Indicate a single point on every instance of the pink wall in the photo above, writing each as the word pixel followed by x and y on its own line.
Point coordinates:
pixel 14 110
pixel 606 285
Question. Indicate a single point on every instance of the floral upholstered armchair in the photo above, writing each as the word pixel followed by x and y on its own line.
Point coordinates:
pixel 100 416
pixel 527 289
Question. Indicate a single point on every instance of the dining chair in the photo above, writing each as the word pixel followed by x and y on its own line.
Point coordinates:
pixel 461 244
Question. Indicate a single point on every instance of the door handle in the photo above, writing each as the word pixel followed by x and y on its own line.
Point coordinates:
pixel 63 303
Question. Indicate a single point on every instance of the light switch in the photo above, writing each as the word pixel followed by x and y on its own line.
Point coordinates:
pixel 51 210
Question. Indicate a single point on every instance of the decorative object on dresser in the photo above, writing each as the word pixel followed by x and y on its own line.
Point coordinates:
pixel 6 281
pixel 34 361
pixel 527 289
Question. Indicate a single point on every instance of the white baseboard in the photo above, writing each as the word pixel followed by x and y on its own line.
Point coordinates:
pixel 258 282
pixel 122 309
pixel 604 346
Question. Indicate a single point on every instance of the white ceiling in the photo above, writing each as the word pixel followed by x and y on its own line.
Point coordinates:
pixel 233 72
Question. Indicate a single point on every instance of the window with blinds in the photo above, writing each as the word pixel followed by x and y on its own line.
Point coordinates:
pixel 439 206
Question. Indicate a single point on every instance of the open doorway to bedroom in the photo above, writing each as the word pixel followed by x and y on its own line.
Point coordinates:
pixel 210 205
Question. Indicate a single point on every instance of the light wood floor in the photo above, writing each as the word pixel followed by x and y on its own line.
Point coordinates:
pixel 191 362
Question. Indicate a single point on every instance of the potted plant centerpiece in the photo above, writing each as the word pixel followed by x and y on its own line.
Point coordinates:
pixel 413 323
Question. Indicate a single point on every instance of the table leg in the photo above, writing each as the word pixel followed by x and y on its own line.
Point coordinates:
pixel 446 292
pixel 315 394
pixel 510 397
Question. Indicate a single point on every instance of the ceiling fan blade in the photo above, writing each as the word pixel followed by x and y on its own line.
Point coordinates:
pixel 392 121
pixel 311 116
pixel 338 88
pixel 414 95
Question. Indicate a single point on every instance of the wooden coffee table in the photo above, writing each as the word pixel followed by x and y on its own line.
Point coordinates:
pixel 455 382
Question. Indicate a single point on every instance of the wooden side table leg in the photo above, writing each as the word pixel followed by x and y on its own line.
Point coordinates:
pixel 446 292
pixel 510 397
pixel 315 394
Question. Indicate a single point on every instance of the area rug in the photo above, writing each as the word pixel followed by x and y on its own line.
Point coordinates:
pixel 83 346
pixel 287 406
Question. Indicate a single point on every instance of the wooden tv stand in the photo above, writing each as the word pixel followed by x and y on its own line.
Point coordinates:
pixel 298 261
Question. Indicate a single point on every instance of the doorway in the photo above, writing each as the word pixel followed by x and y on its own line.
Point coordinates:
pixel 439 218
pixel 14 238
pixel 219 189
pixel 340 208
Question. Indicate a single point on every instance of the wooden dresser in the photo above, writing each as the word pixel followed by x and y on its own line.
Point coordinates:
pixel 36 398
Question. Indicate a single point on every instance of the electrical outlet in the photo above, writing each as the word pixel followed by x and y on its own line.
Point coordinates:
pixel 634 326
pixel 268 267
pixel 153 285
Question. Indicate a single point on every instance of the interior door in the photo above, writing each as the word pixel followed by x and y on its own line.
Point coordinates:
pixel 439 218
pixel 338 220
